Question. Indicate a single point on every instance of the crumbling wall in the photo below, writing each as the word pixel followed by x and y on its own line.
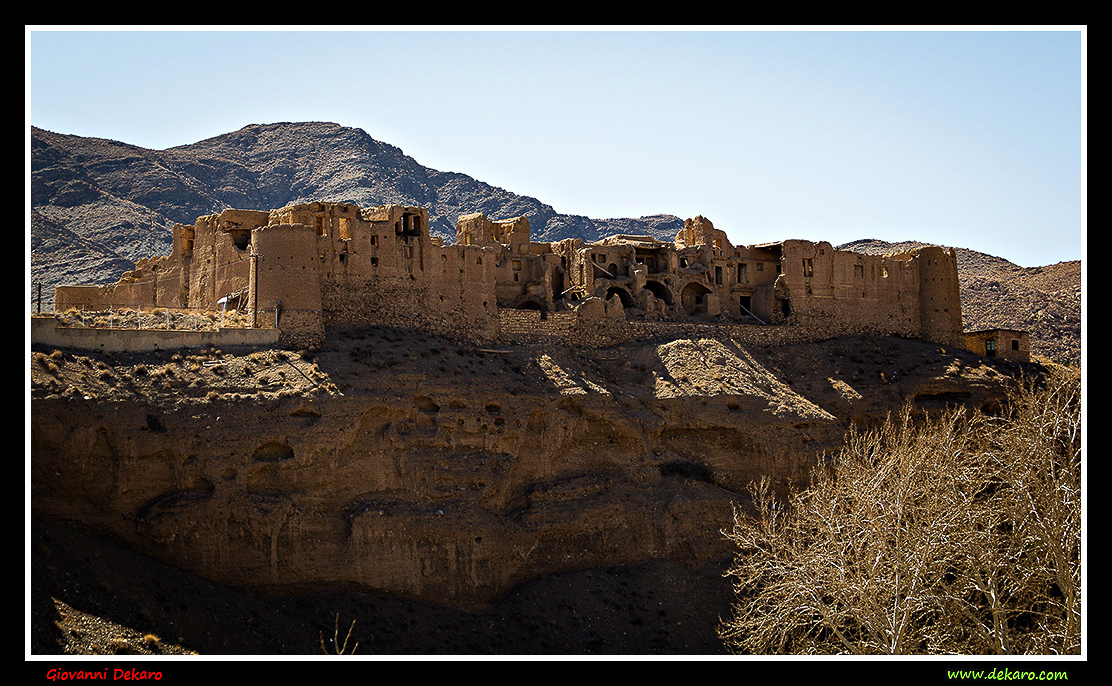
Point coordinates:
pixel 285 283
pixel 700 231
pixel 843 292
pixel 477 229
pixel 221 259
pixel 939 296
pixel 450 293
pixel 593 324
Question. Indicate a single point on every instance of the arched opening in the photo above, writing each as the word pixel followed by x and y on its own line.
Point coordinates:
pixel 694 298
pixel 660 291
pixel 623 295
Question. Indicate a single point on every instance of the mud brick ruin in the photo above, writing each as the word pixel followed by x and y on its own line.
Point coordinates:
pixel 310 266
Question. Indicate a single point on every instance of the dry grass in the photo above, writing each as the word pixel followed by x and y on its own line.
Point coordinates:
pixel 154 318
pixel 960 535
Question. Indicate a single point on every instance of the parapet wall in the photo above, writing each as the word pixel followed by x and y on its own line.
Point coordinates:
pixel 45 331
pixel 571 329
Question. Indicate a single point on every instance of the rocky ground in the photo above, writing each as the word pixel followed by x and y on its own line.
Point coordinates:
pixel 92 596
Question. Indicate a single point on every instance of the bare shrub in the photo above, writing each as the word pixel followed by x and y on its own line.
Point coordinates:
pixel 337 647
pixel 959 534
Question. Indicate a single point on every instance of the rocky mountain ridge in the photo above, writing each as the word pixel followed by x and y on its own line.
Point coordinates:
pixel 93 198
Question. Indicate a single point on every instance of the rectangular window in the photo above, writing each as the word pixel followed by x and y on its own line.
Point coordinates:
pixel 1015 344
pixel 718 275
pixel 858 271
pixel 808 267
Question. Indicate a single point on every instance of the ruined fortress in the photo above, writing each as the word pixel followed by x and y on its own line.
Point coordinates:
pixel 309 266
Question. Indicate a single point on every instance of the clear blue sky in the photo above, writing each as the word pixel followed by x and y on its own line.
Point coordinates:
pixel 970 138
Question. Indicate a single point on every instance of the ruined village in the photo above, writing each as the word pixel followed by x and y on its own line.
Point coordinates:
pixel 304 268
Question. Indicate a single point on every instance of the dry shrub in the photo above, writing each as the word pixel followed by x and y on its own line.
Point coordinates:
pixel 959 534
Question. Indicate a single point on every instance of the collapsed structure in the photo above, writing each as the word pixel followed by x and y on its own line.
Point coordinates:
pixel 313 265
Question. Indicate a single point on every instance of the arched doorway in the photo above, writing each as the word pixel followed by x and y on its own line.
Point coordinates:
pixel 660 291
pixel 623 295
pixel 694 298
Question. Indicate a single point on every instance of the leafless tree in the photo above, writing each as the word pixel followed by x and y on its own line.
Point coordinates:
pixel 957 534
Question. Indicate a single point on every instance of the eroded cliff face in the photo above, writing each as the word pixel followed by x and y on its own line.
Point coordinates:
pixel 449 474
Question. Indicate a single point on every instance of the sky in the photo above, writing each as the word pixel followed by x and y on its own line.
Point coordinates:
pixel 965 137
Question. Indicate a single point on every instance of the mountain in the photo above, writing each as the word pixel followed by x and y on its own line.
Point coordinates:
pixel 995 293
pixel 109 203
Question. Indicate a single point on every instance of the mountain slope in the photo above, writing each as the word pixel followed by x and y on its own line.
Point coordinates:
pixel 123 199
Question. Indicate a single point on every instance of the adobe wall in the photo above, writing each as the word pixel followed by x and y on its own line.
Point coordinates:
pixel 594 324
pixel 379 266
pixel 939 296
pixel 476 229
pixel 452 295
pixel 286 283
pixel 153 282
pixel 915 294
pixel 220 261
pixel 44 331
pixel 1006 344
